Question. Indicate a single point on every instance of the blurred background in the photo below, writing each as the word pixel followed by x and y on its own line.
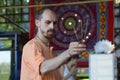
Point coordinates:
pixel 98 19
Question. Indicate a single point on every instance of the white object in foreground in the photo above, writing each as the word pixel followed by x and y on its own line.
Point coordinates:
pixel 101 66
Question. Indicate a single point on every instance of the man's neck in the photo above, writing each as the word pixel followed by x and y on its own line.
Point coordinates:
pixel 43 39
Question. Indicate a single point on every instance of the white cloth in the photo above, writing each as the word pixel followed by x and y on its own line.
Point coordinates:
pixel 67 71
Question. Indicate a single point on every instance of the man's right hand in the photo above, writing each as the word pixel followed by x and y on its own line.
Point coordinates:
pixel 76 48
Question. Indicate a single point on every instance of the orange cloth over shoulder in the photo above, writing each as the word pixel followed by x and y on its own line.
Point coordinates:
pixel 34 53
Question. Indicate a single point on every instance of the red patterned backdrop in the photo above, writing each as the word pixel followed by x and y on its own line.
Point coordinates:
pixel 92 22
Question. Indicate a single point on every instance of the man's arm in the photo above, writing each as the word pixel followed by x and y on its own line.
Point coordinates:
pixel 71 74
pixel 71 69
pixel 51 64
pixel 54 63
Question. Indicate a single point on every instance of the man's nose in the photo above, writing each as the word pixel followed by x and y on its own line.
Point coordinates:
pixel 52 26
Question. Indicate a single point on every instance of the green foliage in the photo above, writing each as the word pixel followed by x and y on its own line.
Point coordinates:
pixel 5 44
pixel 11 18
pixel 9 27
pixel 4 71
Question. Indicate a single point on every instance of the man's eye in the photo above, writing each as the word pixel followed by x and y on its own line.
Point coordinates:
pixel 55 23
pixel 48 22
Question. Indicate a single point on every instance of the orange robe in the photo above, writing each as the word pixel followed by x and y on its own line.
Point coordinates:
pixel 34 53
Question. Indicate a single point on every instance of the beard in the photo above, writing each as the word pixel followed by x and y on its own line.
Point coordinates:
pixel 49 34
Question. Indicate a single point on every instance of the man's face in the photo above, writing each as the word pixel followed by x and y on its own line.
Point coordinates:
pixel 48 22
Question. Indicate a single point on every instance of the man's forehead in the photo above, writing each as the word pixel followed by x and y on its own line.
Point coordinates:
pixel 49 12
pixel 49 15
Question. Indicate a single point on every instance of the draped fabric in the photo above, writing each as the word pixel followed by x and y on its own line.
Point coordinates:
pixel 92 22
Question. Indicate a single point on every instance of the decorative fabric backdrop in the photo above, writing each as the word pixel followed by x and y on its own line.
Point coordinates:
pixel 91 22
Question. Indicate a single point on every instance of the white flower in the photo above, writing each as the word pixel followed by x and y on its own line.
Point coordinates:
pixel 104 46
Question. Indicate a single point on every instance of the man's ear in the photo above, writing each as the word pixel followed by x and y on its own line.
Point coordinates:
pixel 37 23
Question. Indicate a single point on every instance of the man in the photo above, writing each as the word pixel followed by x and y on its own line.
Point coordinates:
pixel 38 60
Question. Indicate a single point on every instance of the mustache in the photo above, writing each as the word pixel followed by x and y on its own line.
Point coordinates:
pixel 53 30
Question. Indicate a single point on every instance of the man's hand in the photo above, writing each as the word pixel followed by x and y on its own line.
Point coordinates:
pixel 76 48
pixel 73 71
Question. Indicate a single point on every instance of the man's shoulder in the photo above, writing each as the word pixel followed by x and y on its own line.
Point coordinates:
pixel 33 43
pixel 30 43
